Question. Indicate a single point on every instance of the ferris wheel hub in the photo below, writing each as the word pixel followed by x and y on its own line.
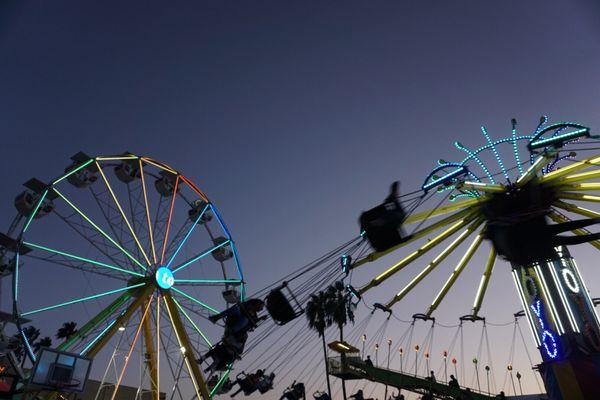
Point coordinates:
pixel 164 278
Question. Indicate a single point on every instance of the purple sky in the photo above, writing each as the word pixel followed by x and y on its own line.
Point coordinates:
pixel 293 116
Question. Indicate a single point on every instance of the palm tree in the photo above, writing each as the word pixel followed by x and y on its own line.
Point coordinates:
pixel 340 310
pixel 43 342
pixel 319 320
pixel 67 330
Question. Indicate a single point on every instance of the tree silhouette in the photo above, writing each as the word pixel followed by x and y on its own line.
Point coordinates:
pixel 319 320
pixel 43 342
pixel 67 330
pixel 340 310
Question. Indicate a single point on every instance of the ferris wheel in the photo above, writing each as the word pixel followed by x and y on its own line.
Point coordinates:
pixel 138 256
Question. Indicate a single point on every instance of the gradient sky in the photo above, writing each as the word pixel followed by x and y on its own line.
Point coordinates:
pixel 292 116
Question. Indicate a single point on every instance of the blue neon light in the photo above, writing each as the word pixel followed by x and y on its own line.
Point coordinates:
pixel 548 339
pixel 164 278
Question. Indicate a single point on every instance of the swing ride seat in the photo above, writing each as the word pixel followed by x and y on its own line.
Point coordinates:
pixel 382 225
pixel 246 384
pixel 280 308
pixel 355 368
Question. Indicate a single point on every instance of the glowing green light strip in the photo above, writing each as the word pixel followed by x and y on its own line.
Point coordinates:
pixel 208 281
pixel 192 322
pixel 220 382
pixel 85 164
pixel 86 260
pixel 68 303
pixel 201 255
pixel 97 338
pixel 184 294
pixel 565 136
pixel 187 235
pixel 99 229
pixel 37 207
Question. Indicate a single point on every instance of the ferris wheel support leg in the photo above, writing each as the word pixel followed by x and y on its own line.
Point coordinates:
pixel 151 357
pixel 141 296
pixel 186 348
pixel 94 322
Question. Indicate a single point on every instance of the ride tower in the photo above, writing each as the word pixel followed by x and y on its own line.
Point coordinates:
pixel 523 212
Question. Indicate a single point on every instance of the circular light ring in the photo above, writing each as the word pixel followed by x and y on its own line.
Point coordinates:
pixel 570 280
pixel 164 278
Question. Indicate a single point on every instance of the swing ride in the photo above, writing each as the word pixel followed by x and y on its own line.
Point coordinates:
pixel 137 250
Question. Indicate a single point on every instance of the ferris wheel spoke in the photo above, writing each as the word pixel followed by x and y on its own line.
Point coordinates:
pixel 456 273
pixel 82 259
pixel 485 280
pixel 200 256
pixel 187 349
pixel 191 321
pixel 168 228
pixel 81 300
pixel 193 299
pixel 207 282
pixel 110 239
pixel 118 204
pixel 435 262
pixel 162 166
pixel 147 211
pixel 417 253
pixel 187 236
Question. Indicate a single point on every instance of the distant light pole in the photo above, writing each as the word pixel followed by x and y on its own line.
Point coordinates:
pixel 401 351
pixel 363 339
pixel 376 354
pixel 416 357
pixel 475 361
pixel 455 369
pixel 389 343
pixel 519 379
pixel 445 365
pixel 509 367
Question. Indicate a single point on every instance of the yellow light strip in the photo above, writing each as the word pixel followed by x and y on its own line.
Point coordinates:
pixel 436 261
pixel 580 197
pixel 158 344
pixel 576 209
pixel 485 280
pixel 577 166
pixel 585 186
pixel 137 334
pixel 455 274
pixel 536 167
pixel 150 230
pixel 161 166
pixel 443 210
pixel 583 176
pixel 123 214
pixel 466 213
pixel 416 254
pixel 482 187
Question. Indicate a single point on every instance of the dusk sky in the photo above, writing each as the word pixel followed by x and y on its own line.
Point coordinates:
pixel 294 117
